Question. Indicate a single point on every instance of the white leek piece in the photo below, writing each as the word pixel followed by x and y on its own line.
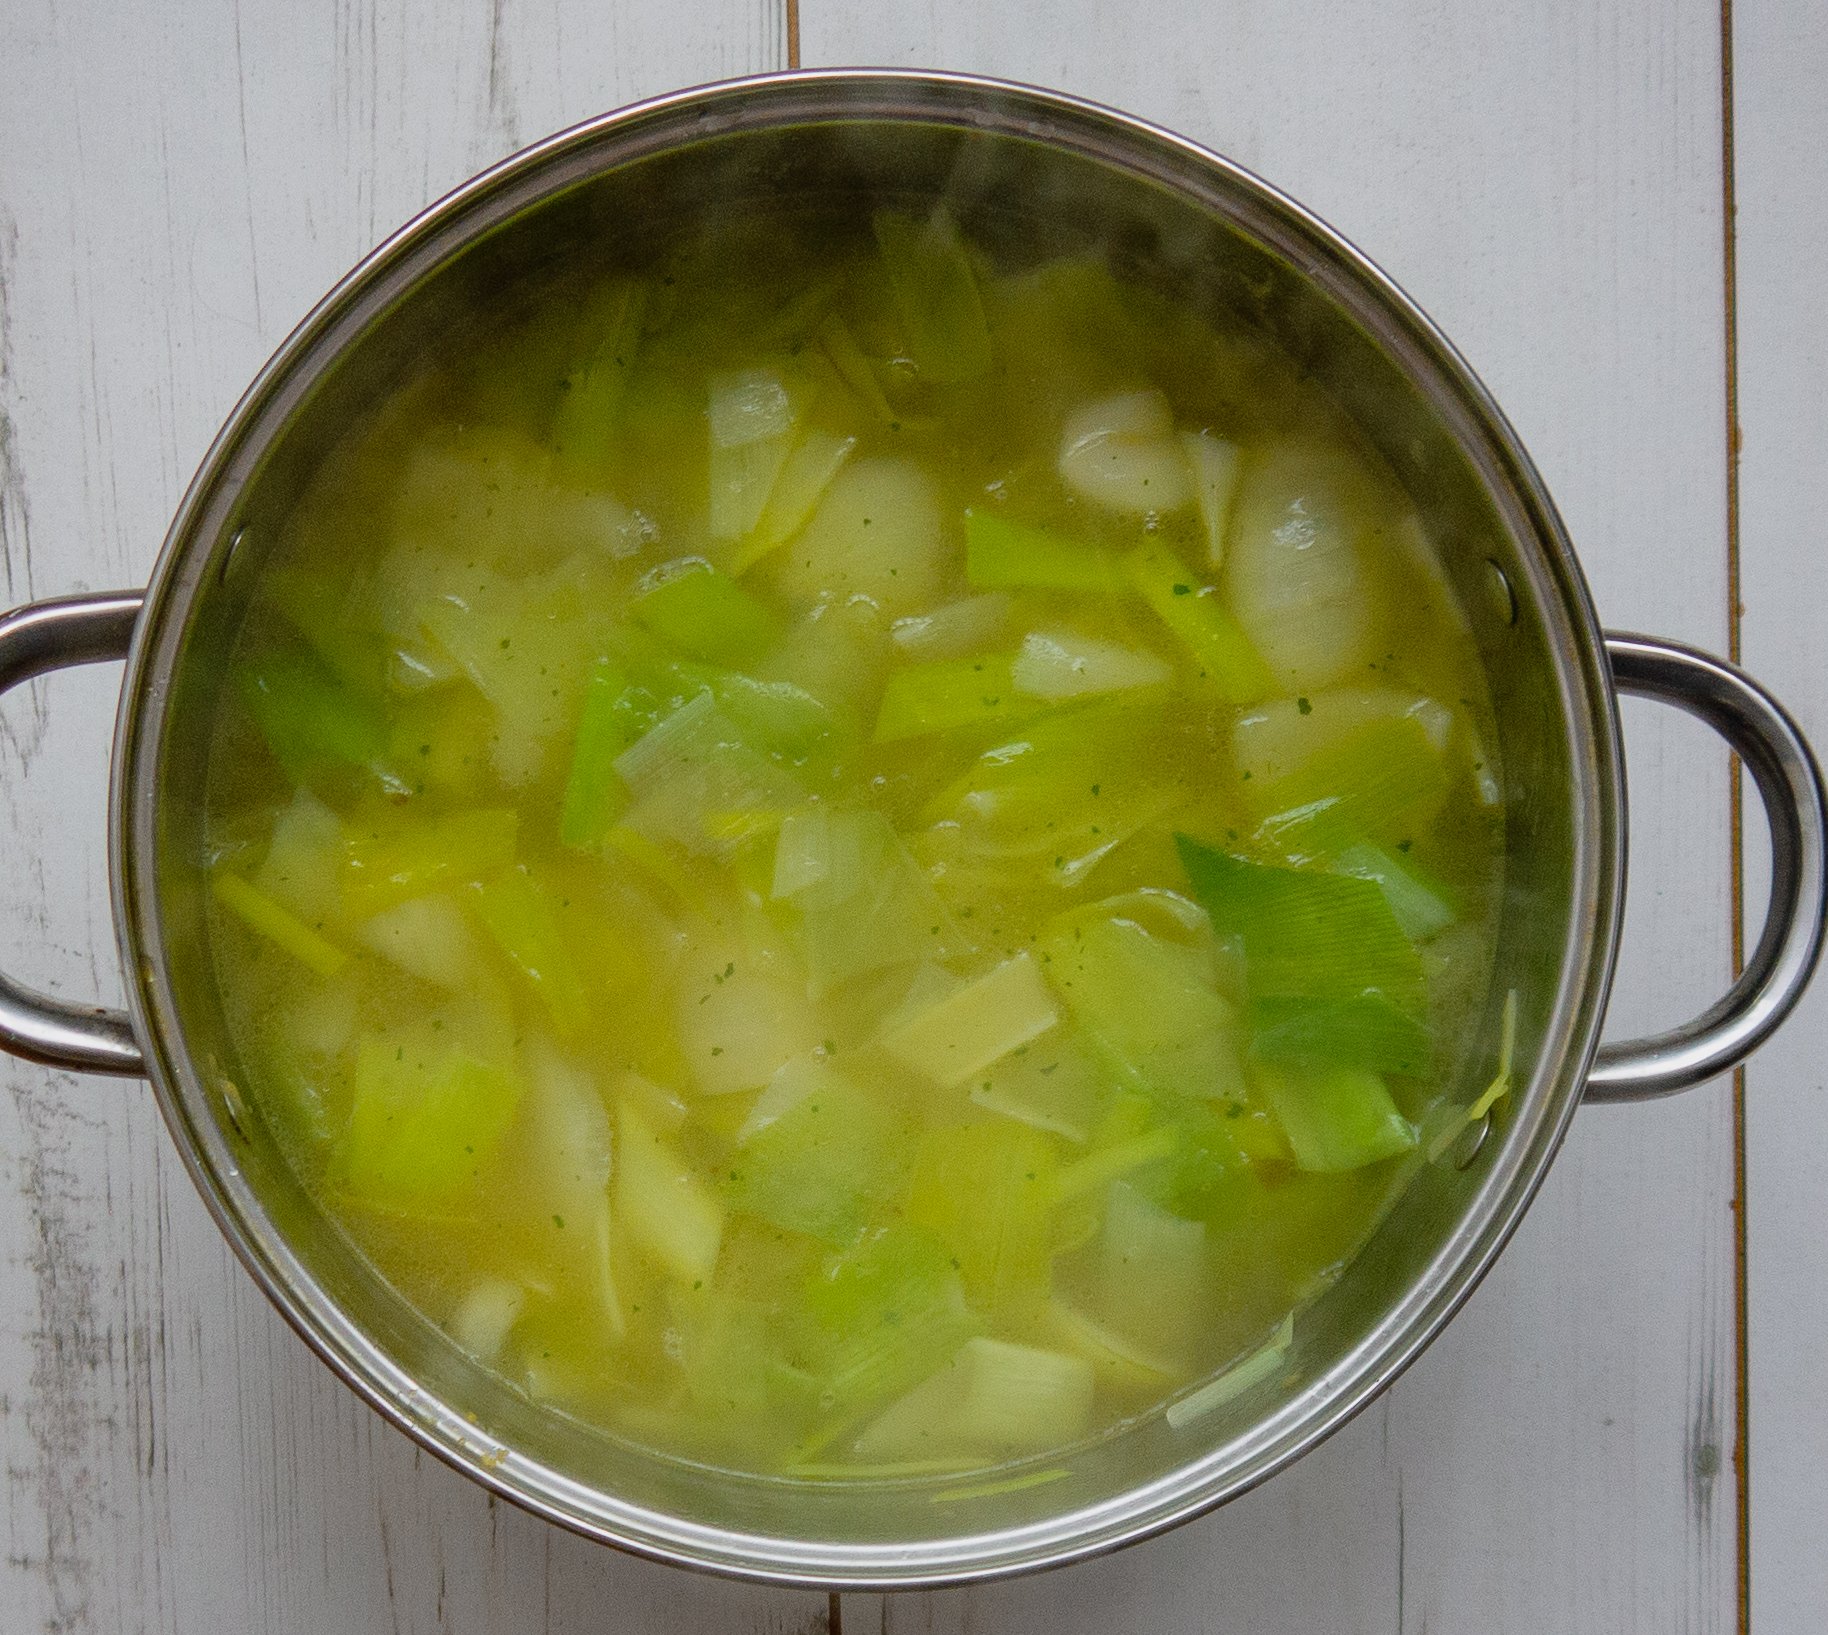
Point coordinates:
pixel 428 937
pixel 738 1026
pixel 1295 574
pixel 963 1033
pixel 1260 1365
pixel 1062 664
pixel 881 530
pixel 693 773
pixel 1120 453
pixel 661 1203
pixel 1213 463
pixel 994 1397
pixel 752 428
pixel 1052 1084
pixel 955 628
pixel 485 1315
pixel 803 479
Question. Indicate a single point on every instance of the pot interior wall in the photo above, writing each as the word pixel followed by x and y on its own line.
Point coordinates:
pixel 1028 200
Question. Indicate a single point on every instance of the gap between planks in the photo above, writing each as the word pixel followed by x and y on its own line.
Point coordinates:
pixel 1729 278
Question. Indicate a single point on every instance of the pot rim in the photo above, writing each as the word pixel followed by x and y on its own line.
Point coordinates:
pixel 1151 154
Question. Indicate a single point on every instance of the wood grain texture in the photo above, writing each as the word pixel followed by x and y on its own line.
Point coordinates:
pixel 177 185
pixel 1544 178
pixel 1780 81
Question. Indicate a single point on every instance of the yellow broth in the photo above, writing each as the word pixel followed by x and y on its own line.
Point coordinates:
pixel 846 858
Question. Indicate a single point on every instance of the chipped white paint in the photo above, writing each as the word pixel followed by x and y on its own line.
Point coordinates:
pixel 1546 179
pixel 1780 71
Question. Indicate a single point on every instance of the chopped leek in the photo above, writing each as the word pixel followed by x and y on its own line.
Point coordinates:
pixel 1149 1004
pixel 1359 1030
pixel 692 772
pixel 1102 1165
pixel 963 1033
pixel 949 694
pixel 955 628
pixel 1117 1360
pixel 584 425
pixel 1456 1120
pixel 1213 464
pixel 810 848
pixel 985 1191
pixel 1019 1483
pixel 595 797
pixel 1234 1381
pixel 1337 1118
pixel 854 368
pixel 1052 1084
pixel 1120 453
pixel 804 478
pixel 819 1165
pixel 1152 1272
pixel 753 419
pixel 791 1083
pixel 1295 576
pixel 303 867
pixel 310 718
pixel 1379 784
pixel 442 742
pixel 1005 555
pixel 1060 794
pixel 519 914
pixel 528 645
pixel 738 1025
pixel 1059 664
pixel 484 1316
pixel 424 1117
pixel 724 1348
pixel 278 925
pixel 880 531
pixel 1278 738
pixel 1421 906
pixel 935 289
pixel 994 1397
pixel 570 1141
pixel 705 613
pixel 1318 936
pixel 1192 610
pixel 661 1202
pixel 385 869
pixel 884 1314
pixel 428 936
pixel 864 902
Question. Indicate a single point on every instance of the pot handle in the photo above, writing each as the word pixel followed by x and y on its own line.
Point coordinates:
pixel 35 640
pixel 1789 783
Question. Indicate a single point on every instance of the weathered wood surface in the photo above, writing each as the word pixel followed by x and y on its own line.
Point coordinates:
pixel 1546 180
pixel 1780 74
pixel 177 185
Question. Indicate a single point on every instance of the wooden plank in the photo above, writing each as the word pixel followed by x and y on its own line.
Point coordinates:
pixel 1546 180
pixel 1780 65
pixel 177 184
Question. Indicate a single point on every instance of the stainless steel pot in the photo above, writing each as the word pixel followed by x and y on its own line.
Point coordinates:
pixel 1046 171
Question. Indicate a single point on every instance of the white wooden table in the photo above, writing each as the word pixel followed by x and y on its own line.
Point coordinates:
pixel 1586 1449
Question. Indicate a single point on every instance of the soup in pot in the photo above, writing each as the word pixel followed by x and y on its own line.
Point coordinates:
pixel 844 857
